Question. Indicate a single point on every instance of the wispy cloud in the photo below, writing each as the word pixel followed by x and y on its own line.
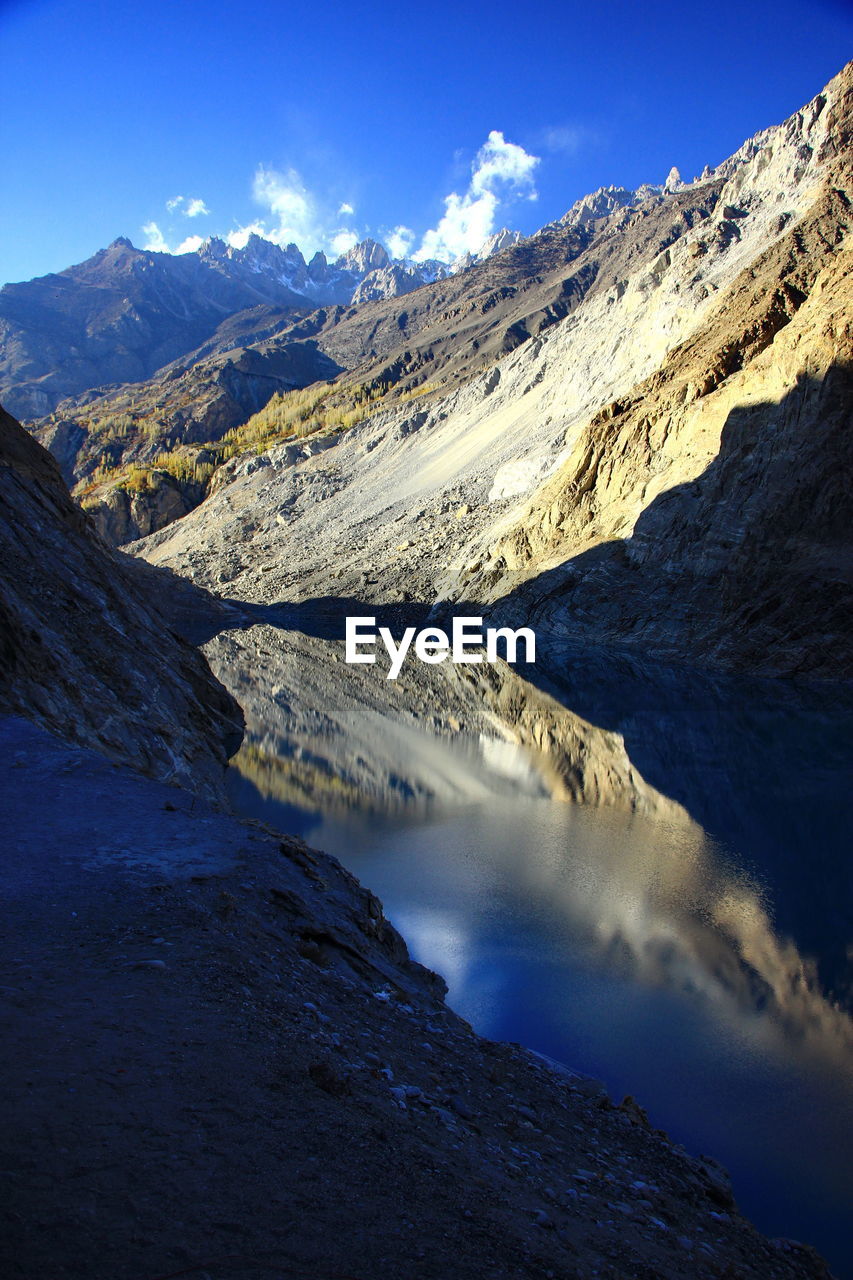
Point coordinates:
pixel 502 172
pixel 399 241
pixel 342 241
pixel 565 139
pixel 296 216
pixel 290 213
pixel 154 238
pixel 189 206
pixel 156 241
pixel 190 244
pixel 290 203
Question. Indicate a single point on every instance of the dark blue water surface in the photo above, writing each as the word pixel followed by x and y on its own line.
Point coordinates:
pixel 644 874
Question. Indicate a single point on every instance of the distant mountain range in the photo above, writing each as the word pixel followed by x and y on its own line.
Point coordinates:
pixel 125 312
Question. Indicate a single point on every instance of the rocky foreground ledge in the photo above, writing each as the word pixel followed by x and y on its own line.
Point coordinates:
pixel 221 1062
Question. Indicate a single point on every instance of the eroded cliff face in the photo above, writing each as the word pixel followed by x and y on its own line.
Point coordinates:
pixel 123 515
pixel 707 513
pixel 85 651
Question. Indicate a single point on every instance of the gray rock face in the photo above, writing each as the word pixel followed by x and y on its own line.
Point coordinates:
pixel 363 258
pixel 503 239
pixel 83 649
pixel 603 202
pixel 115 318
pixel 387 282
pixel 99 439
pixel 121 516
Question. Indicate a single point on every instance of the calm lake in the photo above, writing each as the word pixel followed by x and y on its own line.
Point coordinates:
pixel 645 874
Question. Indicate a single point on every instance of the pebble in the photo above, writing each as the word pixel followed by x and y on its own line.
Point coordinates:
pixel 445 1116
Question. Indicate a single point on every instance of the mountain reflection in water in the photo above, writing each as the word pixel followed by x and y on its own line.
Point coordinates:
pixel 642 874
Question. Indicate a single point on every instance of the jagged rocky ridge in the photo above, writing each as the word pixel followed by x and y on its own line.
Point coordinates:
pixel 677 434
pixel 125 313
pixel 451 330
pixel 85 652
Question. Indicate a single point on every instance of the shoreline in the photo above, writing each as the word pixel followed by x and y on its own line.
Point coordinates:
pixel 202 1017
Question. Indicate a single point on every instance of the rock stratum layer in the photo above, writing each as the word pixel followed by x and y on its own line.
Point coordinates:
pixel 85 653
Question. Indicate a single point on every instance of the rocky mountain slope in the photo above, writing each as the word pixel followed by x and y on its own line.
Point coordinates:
pixel 451 329
pixel 214 1014
pixel 734 466
pixel 667 415
pixel 125 312
pixel 84 651
pixel 142 455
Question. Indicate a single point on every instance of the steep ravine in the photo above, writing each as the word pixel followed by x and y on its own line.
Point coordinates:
pixel 200 1015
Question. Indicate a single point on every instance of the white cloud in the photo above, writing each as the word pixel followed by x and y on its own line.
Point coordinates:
pixel 400 241
pixel 342 241
pixel 190 244
pixel 466 223
pixel 238 239
pixel 290 213
pixel 296 216
pixel 502 171
pixel 154 238
pixel 190 207
pixel 499 161
pixel 156 242
pixel 288 200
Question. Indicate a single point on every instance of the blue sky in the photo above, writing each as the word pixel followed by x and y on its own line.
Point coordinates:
pixel 336 121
